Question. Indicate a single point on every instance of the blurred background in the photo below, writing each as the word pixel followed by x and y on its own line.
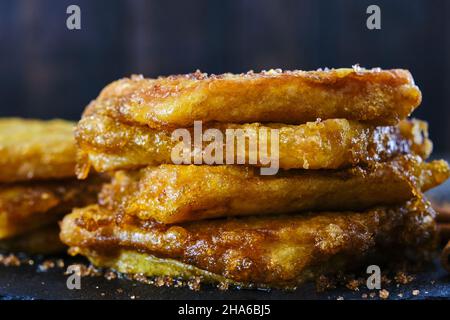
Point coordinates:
pixel 48 71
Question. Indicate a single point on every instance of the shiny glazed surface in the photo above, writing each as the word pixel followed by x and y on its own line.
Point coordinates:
pixel 36 149
pixel 107 144
pixel 280 251
pixel 26 206
pixel 172 194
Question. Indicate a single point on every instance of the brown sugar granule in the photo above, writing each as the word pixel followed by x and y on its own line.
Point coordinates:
pixel 223 286
pixel 194 284
pixel 403 278
pixel 168 281
pixel 178 283
pixel 85 271
pixel 159 281
pixel 9 260
pixel 384 294
pixel 140 277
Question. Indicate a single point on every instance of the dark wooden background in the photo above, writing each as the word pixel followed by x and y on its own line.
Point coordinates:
pixel 48 71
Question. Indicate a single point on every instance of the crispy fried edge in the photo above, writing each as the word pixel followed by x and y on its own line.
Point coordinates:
pixel 107 144
pixel 92 231
pixel 36 204
pixel 24 162
pixel 174 194
pixel 381 97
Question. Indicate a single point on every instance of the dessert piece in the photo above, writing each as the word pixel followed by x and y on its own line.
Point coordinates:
pixel 276 251
pixel 172 193
pixel 36 149
pixel 381 97
pixel 107 144
pixel 30 205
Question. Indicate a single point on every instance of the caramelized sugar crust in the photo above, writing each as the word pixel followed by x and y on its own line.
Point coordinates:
pixel 381 97
pixel 279 251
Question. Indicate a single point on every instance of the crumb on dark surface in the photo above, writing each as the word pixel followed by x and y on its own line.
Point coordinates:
pixel 223 286
pixel 195 284
pixel 159 281
pixel 383 294
pixel 141 278
pixel 46 265
pixel 85 271
pixel 10 260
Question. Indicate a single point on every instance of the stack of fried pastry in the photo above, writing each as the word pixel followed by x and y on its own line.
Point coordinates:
pixel 348 192
pixel 38 183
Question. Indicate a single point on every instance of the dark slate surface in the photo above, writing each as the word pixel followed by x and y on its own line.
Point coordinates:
pixel 27 282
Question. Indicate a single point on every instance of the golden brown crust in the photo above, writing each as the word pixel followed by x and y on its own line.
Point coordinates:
pixel 172 194
pixel 35 149
pixel 27 206
pixel 381 97
pixel 108 144
pixel 44 240
pixel 416 133
pixel 271 250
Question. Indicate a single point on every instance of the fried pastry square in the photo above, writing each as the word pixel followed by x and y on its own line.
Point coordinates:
pixel 381 97
pixel 173 194
pixel 27 206
pixel 108 145
pixel 35 149
pixel 276 251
